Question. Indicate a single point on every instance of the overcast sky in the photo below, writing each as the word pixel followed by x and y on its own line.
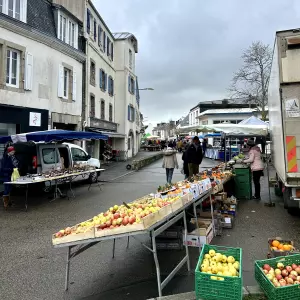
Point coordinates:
pixel 189 49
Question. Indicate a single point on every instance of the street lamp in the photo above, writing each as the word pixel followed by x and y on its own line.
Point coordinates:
pixel 146 89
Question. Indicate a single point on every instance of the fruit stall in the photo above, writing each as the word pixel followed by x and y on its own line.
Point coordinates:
pixel 152 214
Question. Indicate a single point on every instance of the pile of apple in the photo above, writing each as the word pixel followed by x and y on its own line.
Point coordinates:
pixel 282 275
pixel 122 215
pixel 219 264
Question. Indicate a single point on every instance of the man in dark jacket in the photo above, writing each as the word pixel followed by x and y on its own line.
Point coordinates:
pixel 194 156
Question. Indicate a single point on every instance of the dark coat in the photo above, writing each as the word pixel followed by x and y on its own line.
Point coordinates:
pixel 8 164
pixel 194 156
pixel 185 164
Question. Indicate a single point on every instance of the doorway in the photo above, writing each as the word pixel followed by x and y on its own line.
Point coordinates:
pixel 131 144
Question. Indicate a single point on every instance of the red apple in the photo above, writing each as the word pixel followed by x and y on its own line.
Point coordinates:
pixel 58 234
pixel 266 272
pixel 266 267
pixel 116 216
pixel 294 273
pixel 289 268
pixel 102 226
pixel 125 221
pixel 132 220
pixel 297 270
pixel 68 230
pixel 294 266
pixel 111 226
pixel 282 282
pixel 290 280
pixel 284 273
pixel 123 215
pixel 108 223
pixel 278 277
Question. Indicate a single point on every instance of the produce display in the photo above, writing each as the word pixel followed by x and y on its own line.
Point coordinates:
pixel 216 263
pixel 142 213
pixel 281 246
pixel 282 275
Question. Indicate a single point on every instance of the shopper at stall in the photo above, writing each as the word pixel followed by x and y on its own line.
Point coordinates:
pixel 185 169
pixel 194 156
pixel 257 166
pixel 170 163
pixel 8 163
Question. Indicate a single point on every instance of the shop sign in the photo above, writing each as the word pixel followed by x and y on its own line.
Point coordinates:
pixel 35 119
pixel 102 124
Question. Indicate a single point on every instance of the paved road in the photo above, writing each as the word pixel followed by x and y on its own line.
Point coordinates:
pixel 31 269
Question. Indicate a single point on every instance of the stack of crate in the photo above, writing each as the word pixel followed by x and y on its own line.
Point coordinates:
pixel 242 180
pixel 170 239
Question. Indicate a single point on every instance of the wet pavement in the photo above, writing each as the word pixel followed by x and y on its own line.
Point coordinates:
pixel 30 268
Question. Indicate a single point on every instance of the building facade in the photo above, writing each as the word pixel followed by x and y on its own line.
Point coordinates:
pixel 40 68
pixel 165 130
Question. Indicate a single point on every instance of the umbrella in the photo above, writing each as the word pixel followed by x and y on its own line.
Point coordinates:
pixel 153 137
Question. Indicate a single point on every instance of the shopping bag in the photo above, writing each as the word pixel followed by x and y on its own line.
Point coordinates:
pixel 15 174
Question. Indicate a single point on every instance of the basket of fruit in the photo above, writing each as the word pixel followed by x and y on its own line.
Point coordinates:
pixel 218 273
pixel 279 277
pixel 280 247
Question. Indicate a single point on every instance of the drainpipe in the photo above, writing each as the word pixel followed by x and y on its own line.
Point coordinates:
pixel 85 104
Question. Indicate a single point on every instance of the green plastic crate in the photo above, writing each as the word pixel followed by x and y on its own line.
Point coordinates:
pixel 291 292
pixel 209 289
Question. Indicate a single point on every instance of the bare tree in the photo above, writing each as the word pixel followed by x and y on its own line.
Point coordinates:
pixel 252 79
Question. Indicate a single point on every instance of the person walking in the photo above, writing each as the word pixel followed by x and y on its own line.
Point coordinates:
pixel 8 163
pixel 194 156
pixel 179 146
pixel 257 166
pixel 169 163
pixel 185 165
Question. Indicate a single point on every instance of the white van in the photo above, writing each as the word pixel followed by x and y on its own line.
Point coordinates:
pixel 36 158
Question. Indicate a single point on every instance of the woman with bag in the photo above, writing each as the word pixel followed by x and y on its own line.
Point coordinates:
pixel 8 164
pixel 169 163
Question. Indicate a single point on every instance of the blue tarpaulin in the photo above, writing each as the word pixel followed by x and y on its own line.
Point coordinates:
pixel 49 136
pixel 213 135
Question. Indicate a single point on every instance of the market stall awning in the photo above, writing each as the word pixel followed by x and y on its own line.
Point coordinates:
pixel 53 136
pixel 252 121
pixel 110 134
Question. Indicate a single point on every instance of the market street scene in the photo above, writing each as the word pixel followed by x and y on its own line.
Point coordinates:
pixel 149 150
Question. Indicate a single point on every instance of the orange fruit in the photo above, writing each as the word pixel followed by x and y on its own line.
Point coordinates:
pixel 275 243
pixel 287 247
pixel 280 246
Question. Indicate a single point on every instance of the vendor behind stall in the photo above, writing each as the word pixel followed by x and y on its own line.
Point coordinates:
pixel 257 166
pixel 8 163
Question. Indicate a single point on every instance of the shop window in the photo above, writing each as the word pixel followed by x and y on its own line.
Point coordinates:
pixel 102 109
pixel 92 106
pixel 110 113
pixel 12 68
pixel 92 73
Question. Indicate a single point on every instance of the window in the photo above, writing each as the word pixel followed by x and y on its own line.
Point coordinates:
pixel 14 8
pixel 104 41
pixel 50 156
pixel 110 86
pixel 131 115
pixel 92 104
pixel 103 80
pixel 12 68
pixel 112 51
pixel 130 59
pixel 95 30
pixel 88 21
pixel 204 122
pixel 67 30
pixel 128 141
pixel 92 73
pixel 100 36
pixel 102 115
pixel 78 155
pixel 131 85
pixel 108 46
pixel 66 83
pixel 110 113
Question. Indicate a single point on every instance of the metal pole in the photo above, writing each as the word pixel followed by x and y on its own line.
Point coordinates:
pixel 212 214
pixel 186 245
pixel 156 264
pixel 195 215
pixel 268 173
pixel 67 269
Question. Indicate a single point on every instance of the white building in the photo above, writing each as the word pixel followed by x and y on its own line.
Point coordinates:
pixel 41 67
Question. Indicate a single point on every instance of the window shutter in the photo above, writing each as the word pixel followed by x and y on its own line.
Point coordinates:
pixel 112 87
pixel 74 92
pixel 28 71
pixel 100 79
pixel 112 51
pixel 95 31
pixel 108 45
pixel 133 114
pixel 133 88
pixel 129 79
pixel 129 109
pixel 24 11
pixel 60 87
pixel 104 41
pixel 88 20
pixel 99 35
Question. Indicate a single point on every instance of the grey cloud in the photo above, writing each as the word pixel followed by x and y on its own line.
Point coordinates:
pixel 188 50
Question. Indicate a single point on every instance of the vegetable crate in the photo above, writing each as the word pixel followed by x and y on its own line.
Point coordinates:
pixel 291 292
pixel 228 289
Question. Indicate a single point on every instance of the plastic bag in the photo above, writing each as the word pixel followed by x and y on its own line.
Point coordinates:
pixel 15 174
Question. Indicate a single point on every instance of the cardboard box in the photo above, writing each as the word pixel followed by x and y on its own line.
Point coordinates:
pixel 197 239
pixel 221 196
pixel 203 224
pixel 227 221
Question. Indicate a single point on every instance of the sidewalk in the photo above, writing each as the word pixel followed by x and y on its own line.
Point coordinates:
pixel 117 169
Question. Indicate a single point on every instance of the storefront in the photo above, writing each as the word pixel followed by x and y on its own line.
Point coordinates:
pixel 14 120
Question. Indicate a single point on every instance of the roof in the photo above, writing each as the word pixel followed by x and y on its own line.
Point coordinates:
pixel 236 101
pixel 184 121
pixel 228 111
pixel 127 36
